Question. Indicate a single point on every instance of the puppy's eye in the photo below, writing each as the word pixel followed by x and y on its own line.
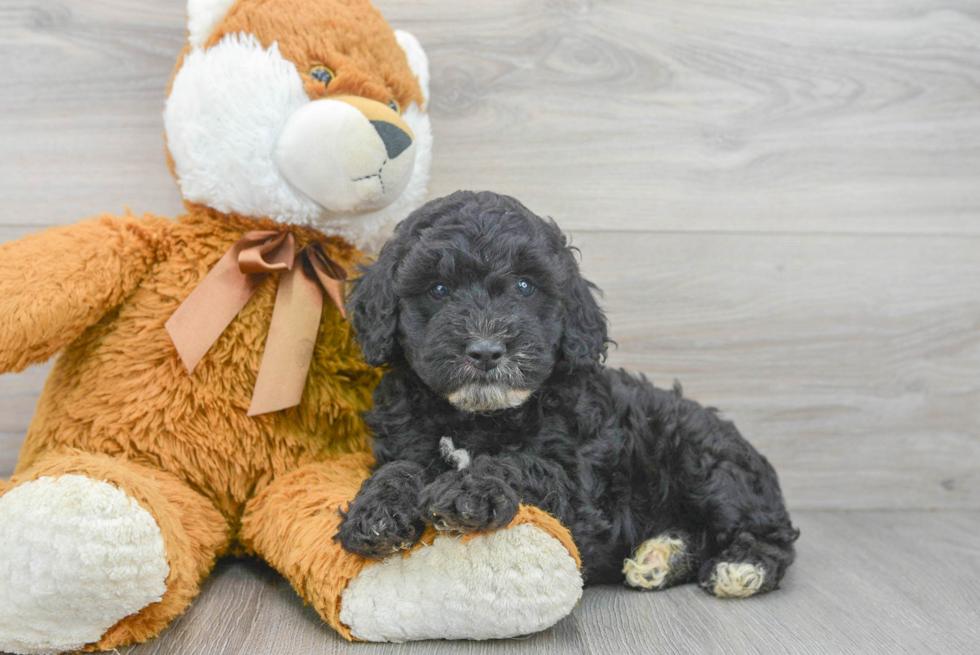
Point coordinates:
pixel 321 73
pixel 438 291
pixel 524 287
pixel 394 105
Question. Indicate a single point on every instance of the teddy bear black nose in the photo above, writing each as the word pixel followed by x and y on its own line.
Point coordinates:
pixel 394 138
pixel 485 354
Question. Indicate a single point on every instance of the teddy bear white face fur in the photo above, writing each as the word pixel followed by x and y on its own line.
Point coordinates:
pixel 246 138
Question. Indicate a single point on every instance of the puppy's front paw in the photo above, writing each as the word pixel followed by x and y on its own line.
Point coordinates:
pixel 467 501
pixel 384 517
pixel 376 530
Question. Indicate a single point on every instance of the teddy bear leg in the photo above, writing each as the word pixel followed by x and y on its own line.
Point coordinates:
pixel 98 552
pixel 506 583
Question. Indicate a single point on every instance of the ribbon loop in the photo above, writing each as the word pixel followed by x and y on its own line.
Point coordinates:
pixel 200 320
pixel 280 247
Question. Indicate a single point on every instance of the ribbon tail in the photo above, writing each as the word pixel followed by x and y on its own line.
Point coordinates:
pixel 210 308
pixel 335 289
pixel 289 346
pixel 331 279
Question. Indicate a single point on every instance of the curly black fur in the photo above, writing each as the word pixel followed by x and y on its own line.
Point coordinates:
pixel 615 459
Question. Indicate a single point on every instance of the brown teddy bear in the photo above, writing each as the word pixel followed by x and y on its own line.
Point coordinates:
pixel 208 394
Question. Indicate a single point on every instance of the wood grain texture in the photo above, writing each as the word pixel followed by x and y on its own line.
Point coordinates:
pixel 864 582
pixel 853 362
pixel 796 183
pixel 81 96
pixel 780 200
pixel 850 361
pixel 717 115
pixel 9 449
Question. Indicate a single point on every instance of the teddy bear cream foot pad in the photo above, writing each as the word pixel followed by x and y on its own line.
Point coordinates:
pixel 297 131
pixel 78 556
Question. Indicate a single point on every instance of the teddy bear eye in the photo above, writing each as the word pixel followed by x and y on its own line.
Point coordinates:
pixel 438 291
pixel 524 287
pixel 321 73
pixel 394 105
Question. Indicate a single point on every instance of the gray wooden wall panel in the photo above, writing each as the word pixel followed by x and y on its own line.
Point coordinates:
pixel 779 198
pixel 719 115
pixel 781 201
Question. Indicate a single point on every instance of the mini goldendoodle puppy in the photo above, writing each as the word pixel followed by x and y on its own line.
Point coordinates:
pixel 495 394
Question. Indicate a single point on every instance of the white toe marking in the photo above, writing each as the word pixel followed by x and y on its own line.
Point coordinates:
pixel 458 457
pixel 736 579
pixel 503 584
pixel 650 564
pixel 76 557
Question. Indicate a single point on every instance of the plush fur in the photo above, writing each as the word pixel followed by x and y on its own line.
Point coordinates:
pixel 477 275
pixel 55 527
pixel 202 17
pixel 234 92
pixel 385 601
pixel 171 461
pixel 119 405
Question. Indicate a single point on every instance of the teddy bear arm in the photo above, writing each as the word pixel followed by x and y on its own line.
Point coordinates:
pixel 58 282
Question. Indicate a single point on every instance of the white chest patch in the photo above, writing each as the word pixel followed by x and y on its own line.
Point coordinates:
pixel 458 457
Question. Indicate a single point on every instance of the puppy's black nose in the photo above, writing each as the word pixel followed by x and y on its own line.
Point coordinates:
pixel 485 354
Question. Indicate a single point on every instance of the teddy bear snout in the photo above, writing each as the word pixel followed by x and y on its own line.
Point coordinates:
pixel 349 154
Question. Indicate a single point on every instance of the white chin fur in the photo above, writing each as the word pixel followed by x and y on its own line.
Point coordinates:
pixel 487 397
pixel 225 114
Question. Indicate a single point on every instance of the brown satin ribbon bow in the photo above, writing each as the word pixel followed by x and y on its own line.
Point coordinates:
pixel 222 294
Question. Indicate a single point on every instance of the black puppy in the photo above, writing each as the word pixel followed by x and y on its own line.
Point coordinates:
pixel 495 394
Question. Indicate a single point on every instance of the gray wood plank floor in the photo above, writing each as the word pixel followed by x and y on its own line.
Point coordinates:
pixel 864 583
pixel 781 201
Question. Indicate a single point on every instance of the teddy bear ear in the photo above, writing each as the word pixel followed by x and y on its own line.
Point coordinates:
pixel 417 61
pixel 203 16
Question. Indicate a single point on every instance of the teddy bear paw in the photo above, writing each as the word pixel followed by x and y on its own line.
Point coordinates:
pixel 496 585
pixel 76 556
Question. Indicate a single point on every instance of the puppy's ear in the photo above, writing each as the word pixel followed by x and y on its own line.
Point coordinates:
pixel 584 342
pixel 373 308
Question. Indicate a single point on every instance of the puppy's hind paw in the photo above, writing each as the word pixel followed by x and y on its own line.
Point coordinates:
pixel 657 563
pixel 735 579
